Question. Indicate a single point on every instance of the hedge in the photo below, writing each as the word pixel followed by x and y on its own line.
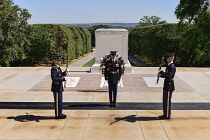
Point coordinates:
pixel 49 39
pixel 152 42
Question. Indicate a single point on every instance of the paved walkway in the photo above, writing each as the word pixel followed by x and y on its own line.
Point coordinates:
pixel 26 107
pixel 83 61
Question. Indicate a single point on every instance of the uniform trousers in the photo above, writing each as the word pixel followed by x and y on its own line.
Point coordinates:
pixel 112 93
pixel 58 103
pixel 167 95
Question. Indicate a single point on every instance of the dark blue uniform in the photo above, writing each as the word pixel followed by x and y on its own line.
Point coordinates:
pixel 57 77
pixel 168 89
pixel 113 73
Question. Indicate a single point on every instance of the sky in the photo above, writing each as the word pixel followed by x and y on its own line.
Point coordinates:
pixel 97 11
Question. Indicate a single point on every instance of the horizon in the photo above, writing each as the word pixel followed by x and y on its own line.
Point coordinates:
pixel 98 23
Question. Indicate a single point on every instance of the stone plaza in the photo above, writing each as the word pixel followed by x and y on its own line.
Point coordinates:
pixel 27 110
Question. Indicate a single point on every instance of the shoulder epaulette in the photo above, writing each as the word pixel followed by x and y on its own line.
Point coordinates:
pixel 172 65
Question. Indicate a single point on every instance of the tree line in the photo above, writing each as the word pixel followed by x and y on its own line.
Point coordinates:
pixel 152 42
pixel 189 39
pixel 43 40
pixel 22 44
pixel 48 39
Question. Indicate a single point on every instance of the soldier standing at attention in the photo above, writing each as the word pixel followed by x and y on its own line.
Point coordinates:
pixel 113 73
pixel 58 77
pixel 168 87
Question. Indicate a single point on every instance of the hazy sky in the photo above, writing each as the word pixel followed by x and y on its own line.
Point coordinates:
pixel 96 11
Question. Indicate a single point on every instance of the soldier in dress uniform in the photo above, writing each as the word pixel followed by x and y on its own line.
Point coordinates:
pixel 168 87
pixel 113 73
pixel 58 77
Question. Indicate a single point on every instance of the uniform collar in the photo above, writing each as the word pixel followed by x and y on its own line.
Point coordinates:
pixel 170 63
pixel 56 65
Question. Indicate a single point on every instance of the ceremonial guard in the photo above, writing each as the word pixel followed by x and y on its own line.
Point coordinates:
pixel 113 73
pixel 168 87
pixel 58 77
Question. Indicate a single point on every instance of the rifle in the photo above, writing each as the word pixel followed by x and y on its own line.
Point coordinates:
pixel 67 65
pixel 159 70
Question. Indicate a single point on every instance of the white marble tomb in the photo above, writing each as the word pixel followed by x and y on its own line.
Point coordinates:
pixel 111 40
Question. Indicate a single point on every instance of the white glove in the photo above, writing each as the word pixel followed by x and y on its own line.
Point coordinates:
pixel 66 78
pixel 159 70
pixel 67 70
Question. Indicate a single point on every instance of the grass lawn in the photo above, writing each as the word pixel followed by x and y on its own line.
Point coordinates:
pixel 89 63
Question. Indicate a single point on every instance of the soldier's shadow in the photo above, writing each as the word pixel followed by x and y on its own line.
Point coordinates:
pixel 133 118
pixel 28 118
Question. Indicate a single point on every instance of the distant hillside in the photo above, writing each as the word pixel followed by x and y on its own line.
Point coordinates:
pixel 124 25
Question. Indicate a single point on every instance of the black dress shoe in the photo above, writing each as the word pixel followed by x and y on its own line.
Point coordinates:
pixel 62 116
pixel 114 106
pixel 163 117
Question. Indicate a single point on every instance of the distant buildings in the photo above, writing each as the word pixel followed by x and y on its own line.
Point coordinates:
pixel 115 25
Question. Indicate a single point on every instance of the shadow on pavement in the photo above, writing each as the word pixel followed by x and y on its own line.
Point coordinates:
pixel 28 118
pixel 133 118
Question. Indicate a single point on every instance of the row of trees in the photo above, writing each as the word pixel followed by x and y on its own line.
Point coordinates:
pixel 42 41
pixel 24 44
pixel 189 39
pixel 152 42
pixel 48 39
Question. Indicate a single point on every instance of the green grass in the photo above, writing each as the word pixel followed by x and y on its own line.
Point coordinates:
pixel 89 63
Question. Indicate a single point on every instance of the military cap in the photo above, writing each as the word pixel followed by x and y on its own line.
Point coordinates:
pixel 169 55
pixel 56 57
pixel 113 52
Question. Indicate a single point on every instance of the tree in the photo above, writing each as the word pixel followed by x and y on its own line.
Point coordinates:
pixel 153 20
pixel 196 15
pixel 188 10
pixel 13 32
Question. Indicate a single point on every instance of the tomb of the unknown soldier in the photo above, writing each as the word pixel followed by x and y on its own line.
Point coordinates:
pixel 104 70
pixel 111 40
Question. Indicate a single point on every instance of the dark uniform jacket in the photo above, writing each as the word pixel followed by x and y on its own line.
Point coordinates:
pixel 57 78
pixel 169 77
pixel 113 71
